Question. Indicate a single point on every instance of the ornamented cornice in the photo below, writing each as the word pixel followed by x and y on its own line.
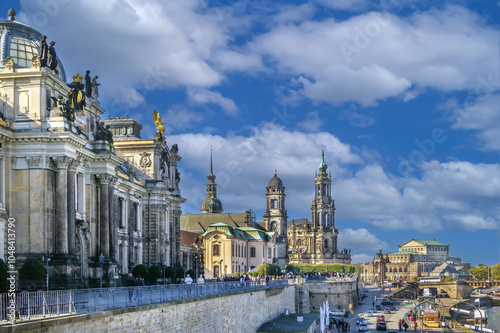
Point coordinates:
pixel 73 164
pixel 34 162
pixel 106 179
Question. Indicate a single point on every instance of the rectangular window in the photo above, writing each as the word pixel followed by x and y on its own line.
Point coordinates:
pixel 269 252
pixel 232 250
pixel 120 213
pixel 252 252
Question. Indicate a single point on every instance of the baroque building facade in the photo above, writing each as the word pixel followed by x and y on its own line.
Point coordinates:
pixel 415 258
pixel 73 190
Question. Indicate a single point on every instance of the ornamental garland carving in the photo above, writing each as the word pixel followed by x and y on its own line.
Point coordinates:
pixel 145 161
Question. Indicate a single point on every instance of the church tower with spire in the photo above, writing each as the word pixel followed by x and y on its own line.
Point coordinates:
pixel 211 204
pixel 323 207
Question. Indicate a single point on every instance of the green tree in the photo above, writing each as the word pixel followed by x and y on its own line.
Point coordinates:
pixel 192 273
pixel 179 273
pixel 4 283
pixel 170 273
pixel 155 273
pixel 480 271
pixel 32 270
pixel 141 270
pixel 495 272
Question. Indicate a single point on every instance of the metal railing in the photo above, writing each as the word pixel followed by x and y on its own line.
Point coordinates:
pixel 42 304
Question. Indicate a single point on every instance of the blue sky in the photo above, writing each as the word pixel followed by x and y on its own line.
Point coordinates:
pixel 402 95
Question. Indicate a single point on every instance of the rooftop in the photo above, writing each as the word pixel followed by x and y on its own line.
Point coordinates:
pixel 288 323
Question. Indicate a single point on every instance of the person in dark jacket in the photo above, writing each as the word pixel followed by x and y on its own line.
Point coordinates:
pixel 130 283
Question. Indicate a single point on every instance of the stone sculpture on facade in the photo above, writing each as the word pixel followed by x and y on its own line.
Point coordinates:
pixel 95 88
pixel 52 57
pixel 61 108
pixel 44 52
pixel 76 94
pixel 88 85
pixel 103 132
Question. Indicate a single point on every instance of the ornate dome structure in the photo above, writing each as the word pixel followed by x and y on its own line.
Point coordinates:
pixel 275 182
pixel 21 42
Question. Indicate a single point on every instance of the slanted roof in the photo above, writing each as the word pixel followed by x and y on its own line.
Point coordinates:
pixel 403 252
pixel 288 323
pixel 430 242
pixel 245 233
pixel 188 238
pixel 199 222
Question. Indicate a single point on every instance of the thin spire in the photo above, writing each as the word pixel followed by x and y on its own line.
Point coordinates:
pixel 323 155
pixel 275 172
pixel 211 166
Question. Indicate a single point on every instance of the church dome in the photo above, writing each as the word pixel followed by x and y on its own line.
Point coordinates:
pixel 21 42
pixel 217 205
pixel 275 182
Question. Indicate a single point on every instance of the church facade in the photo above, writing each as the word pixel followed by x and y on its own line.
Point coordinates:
pixel 316 242
pixel 78 197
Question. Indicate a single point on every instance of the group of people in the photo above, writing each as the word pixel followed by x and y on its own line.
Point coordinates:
pixel 402 325
pixel 340 324
pixel 137 282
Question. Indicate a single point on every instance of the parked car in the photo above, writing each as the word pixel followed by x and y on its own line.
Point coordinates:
pixel 362 327
pixel 381 318
pixel 360 320
pixel 334 312
pixel 387 303
pixel 360 303
pixel 381 326
pixel 387 310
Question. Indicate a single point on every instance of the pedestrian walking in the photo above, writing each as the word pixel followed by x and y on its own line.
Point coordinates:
pixel 130 284
pixel 139 283
pixel 201 282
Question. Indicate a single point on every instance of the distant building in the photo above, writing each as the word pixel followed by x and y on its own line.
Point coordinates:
pixel 415 258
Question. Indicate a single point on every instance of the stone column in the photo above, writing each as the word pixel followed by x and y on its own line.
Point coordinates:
pixel 105 220
pixel 61 225
pixel 104 235
pixel 71 206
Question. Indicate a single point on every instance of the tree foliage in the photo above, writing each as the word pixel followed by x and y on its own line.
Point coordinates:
pixel 495 272
pixel 155 273
pixel 323 268
pixel 192 273
pixel 32 270
pixel 268 269
pixel 141 270
pixel 480 271
pixel 170 273
pixel 179 273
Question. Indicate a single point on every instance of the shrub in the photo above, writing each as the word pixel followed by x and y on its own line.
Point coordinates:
pixel 155 273
pixel 32 270
pixel 170 273
pixel 141 270
pixel 179 273
pixel 192 273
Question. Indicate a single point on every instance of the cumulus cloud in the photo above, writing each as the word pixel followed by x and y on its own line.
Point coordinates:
pixel 361 240
pixel 203 96
pixel 312 122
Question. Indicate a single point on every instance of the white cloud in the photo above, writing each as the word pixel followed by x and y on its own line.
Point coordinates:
pixel 361 240
pixel 373 56
pixel 203 96
pixel 361 258
pixel 312 122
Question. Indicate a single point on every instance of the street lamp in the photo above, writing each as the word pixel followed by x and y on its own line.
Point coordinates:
pixel 47 258
pixel 196 265
pixel 163 264
pixel 101 262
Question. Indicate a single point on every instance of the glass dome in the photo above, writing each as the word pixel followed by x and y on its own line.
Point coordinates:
pixel 21 42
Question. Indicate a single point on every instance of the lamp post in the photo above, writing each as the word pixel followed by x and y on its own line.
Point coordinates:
pixel 47 258
pixel 196 265
pixel 163 264
pixel 101 262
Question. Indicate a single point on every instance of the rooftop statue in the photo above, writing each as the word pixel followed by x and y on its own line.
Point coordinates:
pixel 159 125
pixel 95 88
pixel 44 52
pixel 88 85
pixel 76 95
pixel 52 57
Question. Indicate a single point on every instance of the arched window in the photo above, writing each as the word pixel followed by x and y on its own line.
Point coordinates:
pixel 406 269
pixel 216 250
pixel 400 270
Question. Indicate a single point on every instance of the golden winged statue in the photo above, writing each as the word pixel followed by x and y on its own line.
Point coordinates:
pixel 159 125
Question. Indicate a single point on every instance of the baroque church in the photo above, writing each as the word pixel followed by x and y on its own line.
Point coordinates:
pixel 81 193
pixel 285 242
